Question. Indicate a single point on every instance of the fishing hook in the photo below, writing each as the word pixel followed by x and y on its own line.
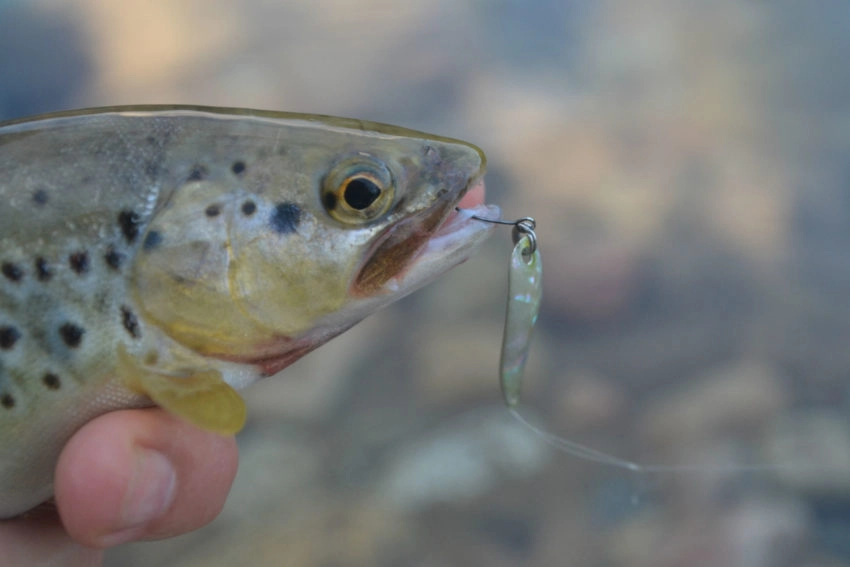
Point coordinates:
pixel 522 227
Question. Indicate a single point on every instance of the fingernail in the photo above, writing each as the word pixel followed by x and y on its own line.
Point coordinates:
pixel 149 494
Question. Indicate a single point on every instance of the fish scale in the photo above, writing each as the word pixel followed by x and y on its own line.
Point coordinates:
pixel 171 255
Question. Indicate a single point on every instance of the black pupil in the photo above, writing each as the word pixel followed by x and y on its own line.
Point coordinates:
pixel 360 193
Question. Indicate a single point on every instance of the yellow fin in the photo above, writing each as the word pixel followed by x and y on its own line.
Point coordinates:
pixel 202 398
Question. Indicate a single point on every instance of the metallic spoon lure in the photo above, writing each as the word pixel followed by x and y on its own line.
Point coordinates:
pixel 525 290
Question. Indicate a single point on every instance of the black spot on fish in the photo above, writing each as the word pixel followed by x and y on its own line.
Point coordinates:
pixel 52 381
pixel 129 221
pixel 7 400
pixel 40 197
pixel 130 322
pixel 197 173
pixel 71 334
pixel 79 261
pixel 152 240
pixel 42 270
pixel 13 272
pixel 238 167
pixel 8 337
pixel 113 258
pixel 213 211
pixel 285 218
pixel 248 208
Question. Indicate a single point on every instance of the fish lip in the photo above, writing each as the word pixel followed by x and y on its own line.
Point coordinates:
pixel 456 238
pixel 441 229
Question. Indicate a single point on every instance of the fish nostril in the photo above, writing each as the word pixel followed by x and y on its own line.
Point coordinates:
pixel 197 173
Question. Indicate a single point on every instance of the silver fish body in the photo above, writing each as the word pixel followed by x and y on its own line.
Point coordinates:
pixel 170 255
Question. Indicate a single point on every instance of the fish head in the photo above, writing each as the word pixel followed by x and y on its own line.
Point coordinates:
pixel 345 221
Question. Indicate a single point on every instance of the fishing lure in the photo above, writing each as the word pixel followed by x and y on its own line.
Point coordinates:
pixel 525 291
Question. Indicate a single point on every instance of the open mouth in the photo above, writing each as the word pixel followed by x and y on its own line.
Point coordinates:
pixel 419 249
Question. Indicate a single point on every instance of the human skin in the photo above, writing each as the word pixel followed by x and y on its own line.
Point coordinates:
pixel 128 475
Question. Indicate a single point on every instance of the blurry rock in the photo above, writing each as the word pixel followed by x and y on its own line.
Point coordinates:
pixel 475 289
pixel 458 363
pixel 471 536
pixel 735 400
pixel 276 465
pixel 591 279
pixel 313 387
pixel 460 460
pixel 344 531
pixel 756 532
pixel 812 450
pixel 750 206
pixel 766 533
pixel 329 531
pixel 638 541
pixel 585 400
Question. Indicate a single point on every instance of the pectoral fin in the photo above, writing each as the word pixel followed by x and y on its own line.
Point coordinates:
pixel 202 398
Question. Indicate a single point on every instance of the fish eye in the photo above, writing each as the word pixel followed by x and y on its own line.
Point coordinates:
pixel 357 190
pixel 360 192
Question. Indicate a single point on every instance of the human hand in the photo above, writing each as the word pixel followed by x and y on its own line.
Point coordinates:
pixel 128 475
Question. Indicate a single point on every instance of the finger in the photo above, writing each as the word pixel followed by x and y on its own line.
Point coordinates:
pixel 141 474
pixel 38 538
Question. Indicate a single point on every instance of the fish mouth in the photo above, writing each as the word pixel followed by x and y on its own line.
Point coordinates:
pixel 420 248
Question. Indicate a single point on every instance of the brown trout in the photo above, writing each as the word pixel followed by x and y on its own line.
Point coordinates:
pixel 173 255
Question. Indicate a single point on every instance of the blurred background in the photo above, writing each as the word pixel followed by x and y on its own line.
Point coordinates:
pixel 687 163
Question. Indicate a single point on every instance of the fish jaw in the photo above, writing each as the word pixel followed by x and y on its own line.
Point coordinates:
pixel 451 243
pixel 438 239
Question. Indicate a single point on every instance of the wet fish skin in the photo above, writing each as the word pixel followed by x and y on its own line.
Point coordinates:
pixel 175 254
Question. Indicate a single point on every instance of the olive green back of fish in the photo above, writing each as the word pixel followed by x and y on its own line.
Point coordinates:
pixel 174 254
